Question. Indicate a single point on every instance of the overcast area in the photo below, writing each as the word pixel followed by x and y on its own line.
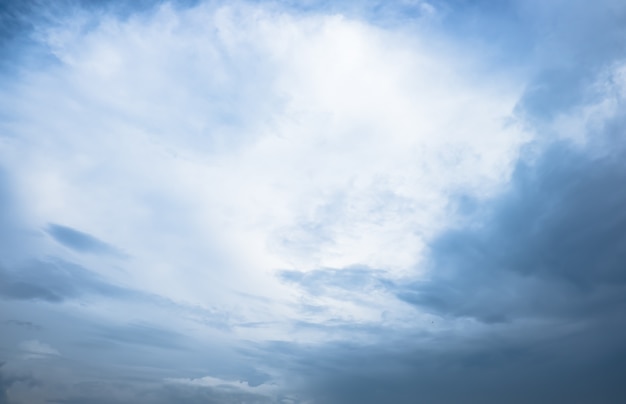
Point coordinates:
pixel 313 201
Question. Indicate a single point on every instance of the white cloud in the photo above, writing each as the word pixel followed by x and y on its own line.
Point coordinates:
pixel 219 145
pixel 228 385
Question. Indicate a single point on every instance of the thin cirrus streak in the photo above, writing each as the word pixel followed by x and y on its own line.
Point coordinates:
pixel 290 202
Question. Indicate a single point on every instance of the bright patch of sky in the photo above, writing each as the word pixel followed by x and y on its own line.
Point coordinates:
pixel 218 145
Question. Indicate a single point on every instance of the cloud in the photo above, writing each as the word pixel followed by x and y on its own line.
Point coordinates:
pixel 528 285
pixel 568 58
pixel 548 246
pixel 143 335
pixel 451 370
pixel 8 380
pixel 59 281
pixel 228 385
pixel 170 392
pixel 37 350
pixel 54 281
pixel 25 324
pixel 206 159
pixel 15 238
pixel 321 281
pixel 356 301
pixel 79 241
pixel 320 202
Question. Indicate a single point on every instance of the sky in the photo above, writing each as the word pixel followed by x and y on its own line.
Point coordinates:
pixel 299 202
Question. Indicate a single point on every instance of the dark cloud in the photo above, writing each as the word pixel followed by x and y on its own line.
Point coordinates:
pixel 553 245
pixel 123 393
pixel 81 242
pixel 23 324
pixel 540 363
pixel 54 281
pixel 14 25
pixel 7 380
pixel 4 399
pixel 200 395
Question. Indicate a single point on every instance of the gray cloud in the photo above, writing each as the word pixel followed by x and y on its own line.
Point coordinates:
pixel 54 280
pixel 541 362
pixel 554 245
pixel 533 288
pixel 500 370
pixel 81 242
pixel 570 52
pixel 122 393
pixel 7 380
pixel 23 324
pixel 539 269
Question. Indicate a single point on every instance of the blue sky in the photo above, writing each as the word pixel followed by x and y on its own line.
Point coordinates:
pixel 312 202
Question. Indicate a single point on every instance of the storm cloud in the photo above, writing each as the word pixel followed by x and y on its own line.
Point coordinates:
pixel 552 245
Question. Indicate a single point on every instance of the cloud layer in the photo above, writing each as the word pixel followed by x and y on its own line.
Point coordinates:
pixel 310 202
